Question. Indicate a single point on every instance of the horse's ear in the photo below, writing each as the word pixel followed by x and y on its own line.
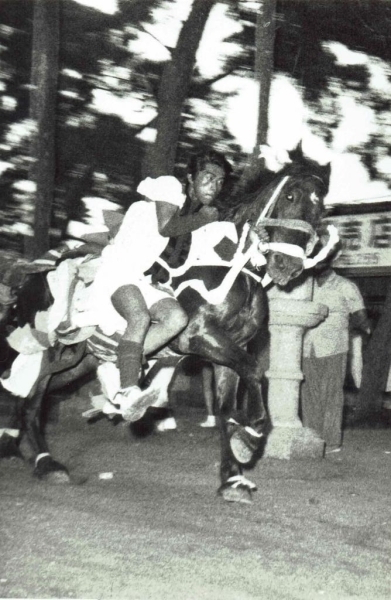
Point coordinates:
pixel 297 155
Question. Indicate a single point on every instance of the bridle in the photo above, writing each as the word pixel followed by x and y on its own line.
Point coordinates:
pixel 265 219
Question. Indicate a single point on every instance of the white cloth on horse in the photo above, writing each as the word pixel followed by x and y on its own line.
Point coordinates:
pixel 109 379
pixel 26 340
pixel 24 374
pixel 203 246
pixel 60 283
pixel 134 250
pixel 11 432
pixel 66 289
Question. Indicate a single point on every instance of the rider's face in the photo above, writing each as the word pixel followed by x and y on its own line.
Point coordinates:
pixel 207 184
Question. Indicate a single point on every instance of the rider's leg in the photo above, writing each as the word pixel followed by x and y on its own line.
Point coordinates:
pixel 168 320
pixel 129 302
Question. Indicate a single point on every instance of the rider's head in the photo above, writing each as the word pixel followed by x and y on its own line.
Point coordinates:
pixel 207 174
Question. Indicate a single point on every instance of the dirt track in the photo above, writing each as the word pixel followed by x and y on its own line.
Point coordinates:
pixel 157 530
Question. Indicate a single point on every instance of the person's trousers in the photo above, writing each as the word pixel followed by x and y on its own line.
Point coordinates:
pixel 322 397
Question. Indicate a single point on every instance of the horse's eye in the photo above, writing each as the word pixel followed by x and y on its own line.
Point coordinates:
pixel 290 197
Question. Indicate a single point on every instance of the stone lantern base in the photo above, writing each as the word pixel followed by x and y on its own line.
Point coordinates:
pixel 288 320
pixel 294 443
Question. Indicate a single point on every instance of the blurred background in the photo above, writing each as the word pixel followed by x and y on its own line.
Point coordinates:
pixel 330 88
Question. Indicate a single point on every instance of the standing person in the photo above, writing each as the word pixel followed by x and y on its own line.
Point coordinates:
pixel 325 355
pixel 122 298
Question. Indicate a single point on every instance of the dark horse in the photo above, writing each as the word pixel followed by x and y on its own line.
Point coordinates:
pixel 218 331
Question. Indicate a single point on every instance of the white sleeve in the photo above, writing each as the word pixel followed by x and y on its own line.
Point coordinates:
pixel 163 189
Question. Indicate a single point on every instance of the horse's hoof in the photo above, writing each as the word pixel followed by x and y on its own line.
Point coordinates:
pixel 230 494
pixel 50 470
pixel 237 488
pixel 244 442
pixel 9 447
pixel 57 477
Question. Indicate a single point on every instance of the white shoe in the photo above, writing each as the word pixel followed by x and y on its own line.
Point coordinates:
pixel 333 449
pixel 168 424
pixel 134 402
pixel 210 421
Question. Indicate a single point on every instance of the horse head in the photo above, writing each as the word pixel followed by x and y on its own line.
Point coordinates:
pixel 290 209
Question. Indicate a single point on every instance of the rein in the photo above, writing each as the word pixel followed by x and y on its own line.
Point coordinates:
pixel 272 200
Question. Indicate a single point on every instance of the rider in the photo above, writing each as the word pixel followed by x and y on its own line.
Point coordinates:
pixel 150 316
pixel 208 179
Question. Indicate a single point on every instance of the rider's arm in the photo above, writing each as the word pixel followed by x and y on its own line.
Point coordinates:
pixel 172 224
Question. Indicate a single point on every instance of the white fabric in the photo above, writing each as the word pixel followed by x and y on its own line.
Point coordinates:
pixel 24 374
pixel 163 189
pixel 23 341
pixel 11 432
pixel 60 282
pixel 275 158
pixel 109 378
pixel 218 295
pixel 134 250
pixel 325 251
pixel 203 242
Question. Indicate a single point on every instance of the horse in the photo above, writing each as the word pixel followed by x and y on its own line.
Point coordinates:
pixel 226 305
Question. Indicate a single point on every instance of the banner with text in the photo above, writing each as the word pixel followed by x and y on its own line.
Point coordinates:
pixel 366 243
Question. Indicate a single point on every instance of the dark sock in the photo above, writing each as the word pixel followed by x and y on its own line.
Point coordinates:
pixel 129 362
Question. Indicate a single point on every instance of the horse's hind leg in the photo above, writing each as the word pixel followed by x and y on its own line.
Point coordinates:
pixel 45 466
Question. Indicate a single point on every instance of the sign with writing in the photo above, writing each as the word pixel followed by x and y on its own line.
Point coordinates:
pixel 366 243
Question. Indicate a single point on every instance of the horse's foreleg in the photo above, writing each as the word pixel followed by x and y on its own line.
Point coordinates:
pixel 217 347
pixel 240 438
pixel 234 486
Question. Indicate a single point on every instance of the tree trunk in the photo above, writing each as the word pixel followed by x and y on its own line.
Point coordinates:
pixel 173 89
pixel 263 71
pixel 44 72
pixel 377 358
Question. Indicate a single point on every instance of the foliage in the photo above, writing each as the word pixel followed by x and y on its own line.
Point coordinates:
pixel 100 153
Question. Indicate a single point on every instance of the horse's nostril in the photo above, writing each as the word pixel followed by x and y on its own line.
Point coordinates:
pixel 297 272
pixel 279 259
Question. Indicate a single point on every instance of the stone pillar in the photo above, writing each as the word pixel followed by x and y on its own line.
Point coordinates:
pixel 291 313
